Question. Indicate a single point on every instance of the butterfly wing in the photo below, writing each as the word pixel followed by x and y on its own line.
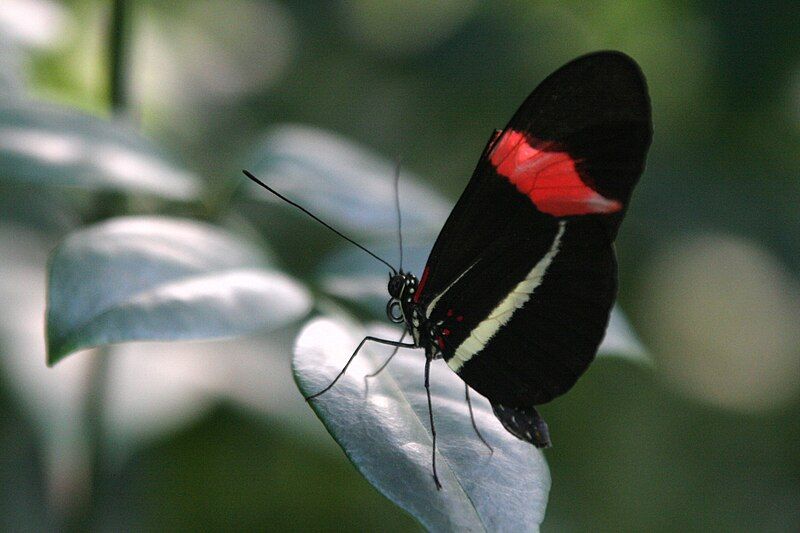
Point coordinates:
pixel 522 278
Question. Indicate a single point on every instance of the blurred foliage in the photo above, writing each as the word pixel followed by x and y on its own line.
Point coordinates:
pixel 635 449
pixel 229 473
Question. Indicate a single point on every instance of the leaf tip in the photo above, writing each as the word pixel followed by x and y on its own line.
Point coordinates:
pixel 56 348
pixel 55 352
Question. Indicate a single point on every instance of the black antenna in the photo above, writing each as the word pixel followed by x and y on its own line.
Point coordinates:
pixel 397 205
pixel 315 217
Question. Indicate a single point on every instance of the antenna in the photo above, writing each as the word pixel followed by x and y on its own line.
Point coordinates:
pixel 315 217
pixel 397 205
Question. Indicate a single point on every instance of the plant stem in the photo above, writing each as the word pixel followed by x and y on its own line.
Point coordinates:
pixel 95 431
pixel 90 475
pixel 81 517
pixel 118 51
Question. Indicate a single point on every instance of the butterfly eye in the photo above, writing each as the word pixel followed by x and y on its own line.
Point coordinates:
pixel 396 285
pixel 394 311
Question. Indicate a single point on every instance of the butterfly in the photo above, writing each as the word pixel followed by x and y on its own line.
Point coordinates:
pixel 518 288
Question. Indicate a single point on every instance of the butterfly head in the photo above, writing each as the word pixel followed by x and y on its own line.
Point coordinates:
pixel 401 289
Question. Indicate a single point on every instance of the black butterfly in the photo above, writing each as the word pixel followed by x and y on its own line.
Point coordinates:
pixel 518 289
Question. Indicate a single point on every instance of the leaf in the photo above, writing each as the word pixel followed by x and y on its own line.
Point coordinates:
pixel 151 389
pixel 154 278
pixel 385 434
pixel 344 183
pixel 49 145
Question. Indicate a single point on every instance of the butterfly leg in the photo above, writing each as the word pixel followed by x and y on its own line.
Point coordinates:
pixel 524 423
pixel 384 365
pixel 360 344
pixel 472 418
pixel 428 360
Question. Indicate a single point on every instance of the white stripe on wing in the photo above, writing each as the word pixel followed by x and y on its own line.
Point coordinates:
pixel 501 314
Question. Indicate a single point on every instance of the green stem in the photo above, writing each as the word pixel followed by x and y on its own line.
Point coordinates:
pixel 96 431
pixel 93 411
pixel 118 51
pixel 92 475
pixel 81 515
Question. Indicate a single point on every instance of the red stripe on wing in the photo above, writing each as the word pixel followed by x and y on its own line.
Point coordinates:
pixel 421 285
pixel 549 179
